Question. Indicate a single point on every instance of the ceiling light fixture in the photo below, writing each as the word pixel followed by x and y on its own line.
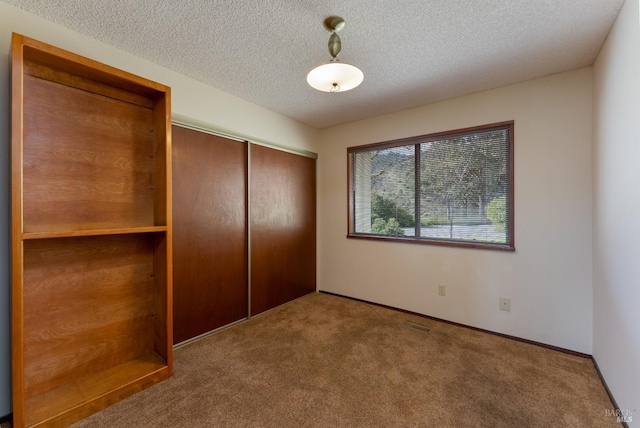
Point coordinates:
pixel 335 76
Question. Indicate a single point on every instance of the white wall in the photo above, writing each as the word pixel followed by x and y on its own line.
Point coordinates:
pixel 548 278
pixel 616 212
pixel 202 104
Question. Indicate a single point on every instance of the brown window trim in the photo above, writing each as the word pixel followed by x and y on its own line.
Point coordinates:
pixel 510 246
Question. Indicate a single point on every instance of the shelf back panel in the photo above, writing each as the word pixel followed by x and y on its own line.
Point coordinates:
pixel 89 306
pixel 88 160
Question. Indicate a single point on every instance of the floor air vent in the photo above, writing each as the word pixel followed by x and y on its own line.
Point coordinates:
pixel 416 326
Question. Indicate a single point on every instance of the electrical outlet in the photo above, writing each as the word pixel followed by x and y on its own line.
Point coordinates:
pixel 442 290
pixel 505 304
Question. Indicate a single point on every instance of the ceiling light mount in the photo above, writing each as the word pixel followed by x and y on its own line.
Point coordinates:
pixel 334 23
pixel 335 76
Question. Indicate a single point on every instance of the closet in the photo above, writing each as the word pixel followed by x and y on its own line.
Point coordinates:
pixel 244 222
pixel 210 233
pixel 283 227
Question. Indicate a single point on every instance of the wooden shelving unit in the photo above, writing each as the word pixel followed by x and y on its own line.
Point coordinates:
pixel 91 234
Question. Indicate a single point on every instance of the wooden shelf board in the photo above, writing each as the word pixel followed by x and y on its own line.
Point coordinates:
pixel 119 381
pixel 93 232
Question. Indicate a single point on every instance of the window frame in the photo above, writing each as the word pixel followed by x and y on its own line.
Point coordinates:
pixel 509 246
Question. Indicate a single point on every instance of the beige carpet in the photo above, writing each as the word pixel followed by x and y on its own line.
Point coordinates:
pixel 327 361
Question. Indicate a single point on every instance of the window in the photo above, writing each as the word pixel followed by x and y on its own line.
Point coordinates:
pixel 452 188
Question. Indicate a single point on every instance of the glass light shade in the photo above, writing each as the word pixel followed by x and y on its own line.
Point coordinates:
pixel 335 77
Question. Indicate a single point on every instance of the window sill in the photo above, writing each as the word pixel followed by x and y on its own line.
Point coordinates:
pixel 430 241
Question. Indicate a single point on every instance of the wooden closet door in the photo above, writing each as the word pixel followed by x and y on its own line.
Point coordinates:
pixel 210 232
pixel 283 227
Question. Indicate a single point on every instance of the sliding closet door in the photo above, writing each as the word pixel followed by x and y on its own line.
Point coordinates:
pixel 210 232
pixel 283 227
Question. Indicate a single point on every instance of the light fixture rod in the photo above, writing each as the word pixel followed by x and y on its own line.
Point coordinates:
pixel 335 45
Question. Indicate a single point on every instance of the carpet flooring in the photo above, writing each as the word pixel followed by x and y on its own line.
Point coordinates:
pixel 327 361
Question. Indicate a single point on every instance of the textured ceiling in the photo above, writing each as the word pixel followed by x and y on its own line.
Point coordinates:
pixel 412 52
